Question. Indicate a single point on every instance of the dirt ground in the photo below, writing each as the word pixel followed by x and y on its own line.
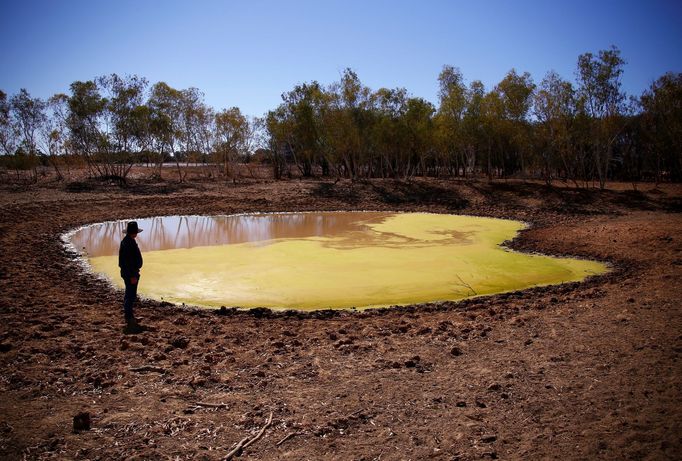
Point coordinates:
pixel 578 371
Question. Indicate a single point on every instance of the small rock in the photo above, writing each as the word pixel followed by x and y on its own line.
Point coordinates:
pixel 180 342
pixel 461 404
pixel 494 387
pixel 481 404
pixel 81 422
pixel 5 347
pixel 456 351
pixel 488 438
pixel 410 364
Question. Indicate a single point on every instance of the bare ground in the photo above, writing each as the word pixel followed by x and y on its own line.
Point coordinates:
pixel 577 371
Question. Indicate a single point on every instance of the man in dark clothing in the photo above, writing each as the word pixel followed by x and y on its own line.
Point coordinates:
pixel 130 262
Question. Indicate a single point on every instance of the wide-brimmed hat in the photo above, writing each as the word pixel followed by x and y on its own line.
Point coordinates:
pixel 132 228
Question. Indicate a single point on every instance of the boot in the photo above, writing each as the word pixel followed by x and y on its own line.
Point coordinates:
pixel 132 327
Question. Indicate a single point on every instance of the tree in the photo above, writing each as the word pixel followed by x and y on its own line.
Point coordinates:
pixel 106 128
pixel 54 132
pixel 554 108
pixel 9 133
pixel 296 125
pixel 29 116
pixel 516 96
pixel 473 136
pixel 452 96
pixel 389 134
pixel 419 128
pixel 599 87
pixel 492 118
pixel 165 105
pixel 662 120
pixel 231 137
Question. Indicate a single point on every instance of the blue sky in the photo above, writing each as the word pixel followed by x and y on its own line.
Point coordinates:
pixel 248 53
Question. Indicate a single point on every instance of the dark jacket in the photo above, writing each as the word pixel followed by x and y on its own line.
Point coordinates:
pixel 129 258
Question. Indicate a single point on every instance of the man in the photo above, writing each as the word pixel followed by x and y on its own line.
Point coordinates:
pixel 130 262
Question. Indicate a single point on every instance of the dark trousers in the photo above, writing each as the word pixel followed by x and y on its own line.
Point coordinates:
pixel 129 297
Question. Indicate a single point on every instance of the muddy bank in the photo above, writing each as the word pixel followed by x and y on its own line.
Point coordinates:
pixel 574 371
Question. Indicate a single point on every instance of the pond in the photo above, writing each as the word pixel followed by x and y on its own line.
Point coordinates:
pixel 323 260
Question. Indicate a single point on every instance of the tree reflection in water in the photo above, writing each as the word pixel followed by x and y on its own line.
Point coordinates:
pixel 169 232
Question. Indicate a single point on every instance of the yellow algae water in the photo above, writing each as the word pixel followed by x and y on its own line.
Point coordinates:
pixel 328 260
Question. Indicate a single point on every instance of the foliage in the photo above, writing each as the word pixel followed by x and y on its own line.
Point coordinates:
pixel 557 130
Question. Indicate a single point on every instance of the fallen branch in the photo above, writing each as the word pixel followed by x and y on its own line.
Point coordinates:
pixel 148 368
pixel 211 405
pixel 464 284
pixel 246 441
pixel 288 436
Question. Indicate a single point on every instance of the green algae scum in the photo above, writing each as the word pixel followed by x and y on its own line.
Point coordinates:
pixel 311 261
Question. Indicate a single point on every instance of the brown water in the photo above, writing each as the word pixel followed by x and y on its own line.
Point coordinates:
pixel 173 232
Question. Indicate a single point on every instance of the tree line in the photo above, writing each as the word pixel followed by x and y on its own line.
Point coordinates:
pixel 582 132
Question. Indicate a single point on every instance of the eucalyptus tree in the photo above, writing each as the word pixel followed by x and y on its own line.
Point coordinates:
pixel 418 124
pixel 341 125
pixel 600 88
pixel 272 132
pixel 205 132
pixel 85 110
pixel 516 95
pixel 389 134
pixel 9 133
pixel 29 116
pixel 352 103
pixel 124 121
pixel 473 135
pixel 54 132
pixel 165 104
pixel 231 141
pixel 191 105
pixel 493 129
pixel 452 97
pixel 662 120
pixel 555 108
pixel 297 123
pixel 104 123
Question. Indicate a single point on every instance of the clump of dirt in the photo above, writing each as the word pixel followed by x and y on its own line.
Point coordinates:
pixel 575 371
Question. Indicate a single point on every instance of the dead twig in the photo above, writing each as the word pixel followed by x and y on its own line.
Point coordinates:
pixel 144 368
pixel 466 285
pixel 211 405
pixel 247 441
pixel 288 436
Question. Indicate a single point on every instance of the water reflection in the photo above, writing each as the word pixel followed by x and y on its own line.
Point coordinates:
pixel 169 232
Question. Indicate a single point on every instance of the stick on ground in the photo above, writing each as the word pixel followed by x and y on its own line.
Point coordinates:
pixel 245 442
pixel 144 368
pixel 211 405
pixel 289 436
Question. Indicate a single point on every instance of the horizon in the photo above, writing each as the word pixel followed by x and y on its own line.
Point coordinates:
pixel 242 55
